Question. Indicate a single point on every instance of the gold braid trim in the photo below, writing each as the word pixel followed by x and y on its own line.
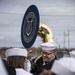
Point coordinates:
pixel 37 58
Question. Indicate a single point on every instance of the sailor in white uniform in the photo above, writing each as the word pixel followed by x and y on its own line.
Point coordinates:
pixel 72 53
pixel 16 56
pixel 2 68
pixel 64 66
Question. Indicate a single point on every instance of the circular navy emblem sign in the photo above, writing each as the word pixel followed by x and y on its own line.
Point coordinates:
pixel 30 26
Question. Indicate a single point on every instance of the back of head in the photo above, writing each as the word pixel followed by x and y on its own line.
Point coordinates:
pixel 46 72
pixel 16 61
pixel 16 57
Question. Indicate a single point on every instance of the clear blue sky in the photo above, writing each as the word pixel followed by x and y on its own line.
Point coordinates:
pixel 58 14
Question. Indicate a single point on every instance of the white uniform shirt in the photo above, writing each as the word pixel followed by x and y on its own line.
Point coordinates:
pixel 20 71
pixel 2 68
pixel 28 66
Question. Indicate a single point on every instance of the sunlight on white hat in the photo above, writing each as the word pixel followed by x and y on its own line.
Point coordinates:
pixel 16 52
pixel 49 46
pixel 64 66
pixel 72 53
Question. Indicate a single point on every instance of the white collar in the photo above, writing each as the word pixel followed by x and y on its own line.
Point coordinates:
pixel 20 71
pixel 48 62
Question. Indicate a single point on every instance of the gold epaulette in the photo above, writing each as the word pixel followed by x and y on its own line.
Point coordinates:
pixel 37 58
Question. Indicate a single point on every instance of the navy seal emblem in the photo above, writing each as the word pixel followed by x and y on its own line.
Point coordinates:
pixel 30 26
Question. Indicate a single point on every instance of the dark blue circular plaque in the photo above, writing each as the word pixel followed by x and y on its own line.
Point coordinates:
pixel 30 26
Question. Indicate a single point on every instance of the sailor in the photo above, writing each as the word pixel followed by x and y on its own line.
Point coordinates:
pixel 64 66
pixel 45 61
pixel 17 58
pixel 72 53
pixel 3 70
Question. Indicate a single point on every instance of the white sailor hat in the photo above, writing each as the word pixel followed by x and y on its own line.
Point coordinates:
pixel 64 66
pixel 16 52
pixel 49 46
pixel 72 53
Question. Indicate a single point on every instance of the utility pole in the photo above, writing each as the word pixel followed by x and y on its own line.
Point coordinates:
pixel 56 40
pixel 68 41
pixel 64 41
pixel 59 45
